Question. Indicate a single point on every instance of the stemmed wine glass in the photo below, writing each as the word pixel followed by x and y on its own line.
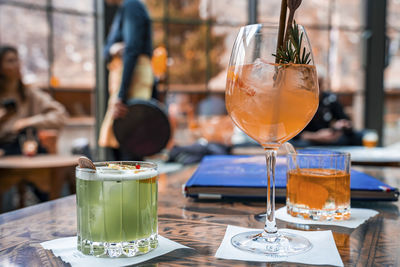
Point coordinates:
pixel 271 102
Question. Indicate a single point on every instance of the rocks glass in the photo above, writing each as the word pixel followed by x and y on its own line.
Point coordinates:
pixel 117 209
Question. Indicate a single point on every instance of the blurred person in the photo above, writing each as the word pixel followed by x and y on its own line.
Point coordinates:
pixel 214 122
pixel 330 126
pixel 130 38
pixel 159 62
pixel 159 65
pixel 23 110
pixel 214 129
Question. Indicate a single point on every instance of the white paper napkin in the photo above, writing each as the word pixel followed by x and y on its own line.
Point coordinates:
pixel 357 217
pixel 66 249
pixel 323 252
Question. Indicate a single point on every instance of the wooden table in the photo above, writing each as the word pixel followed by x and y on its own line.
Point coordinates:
pixel 200 225
pixel 47 172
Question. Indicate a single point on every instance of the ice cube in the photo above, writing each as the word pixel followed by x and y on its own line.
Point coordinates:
pixel 259 70
pixel 257 77
pixel 317 172
pixel 299 77
pixel 261 73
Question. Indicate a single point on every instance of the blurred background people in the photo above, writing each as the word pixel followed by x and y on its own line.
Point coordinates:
pixel 23 110
pixel 330 126
pixel 130 38
pixel 212 128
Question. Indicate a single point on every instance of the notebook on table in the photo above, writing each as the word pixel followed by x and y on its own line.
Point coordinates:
pixel 245 177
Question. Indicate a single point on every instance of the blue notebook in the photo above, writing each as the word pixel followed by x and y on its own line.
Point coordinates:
pixel 245 177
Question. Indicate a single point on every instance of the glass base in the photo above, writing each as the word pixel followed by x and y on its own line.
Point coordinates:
pixel 339 213
pixel 281 245
pixel 116 250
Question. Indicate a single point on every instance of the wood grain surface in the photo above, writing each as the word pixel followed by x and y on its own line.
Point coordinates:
pixel 38 161
pixel 47 172
pixel 200 225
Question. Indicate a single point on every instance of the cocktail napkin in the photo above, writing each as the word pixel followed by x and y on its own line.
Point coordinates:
pixel 323 252
pixel 66 249
pixel 358 217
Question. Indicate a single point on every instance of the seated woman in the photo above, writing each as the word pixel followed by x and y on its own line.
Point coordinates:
pixel 330 125
pixel 22 108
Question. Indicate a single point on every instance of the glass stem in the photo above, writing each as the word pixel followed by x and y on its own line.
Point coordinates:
pixel 270 229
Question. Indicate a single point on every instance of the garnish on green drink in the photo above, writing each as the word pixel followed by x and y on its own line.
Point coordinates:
pixel 115 166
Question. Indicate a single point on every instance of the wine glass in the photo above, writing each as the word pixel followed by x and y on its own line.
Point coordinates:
pixel 271 102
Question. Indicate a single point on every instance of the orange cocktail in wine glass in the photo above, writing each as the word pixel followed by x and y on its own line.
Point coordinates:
pixel 271 96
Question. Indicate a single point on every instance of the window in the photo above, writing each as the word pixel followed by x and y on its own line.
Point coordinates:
pixel 55 40
pixel 334 28
pixel 392 77
pixel 56 43
pixel 198 37
pixel 73 46
pixel 28 30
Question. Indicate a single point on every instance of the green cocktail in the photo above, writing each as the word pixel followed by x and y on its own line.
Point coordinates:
pixel 117 209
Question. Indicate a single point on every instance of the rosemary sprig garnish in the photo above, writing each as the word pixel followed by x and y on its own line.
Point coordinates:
pixel 293 52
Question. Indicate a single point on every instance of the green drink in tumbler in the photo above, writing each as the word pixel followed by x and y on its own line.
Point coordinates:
pixel 117 209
